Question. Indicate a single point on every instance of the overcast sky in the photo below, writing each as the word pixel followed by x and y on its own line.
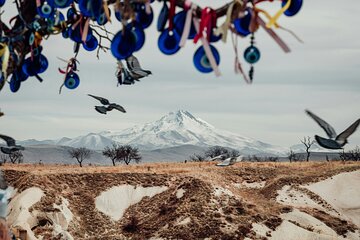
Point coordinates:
pixel 321 75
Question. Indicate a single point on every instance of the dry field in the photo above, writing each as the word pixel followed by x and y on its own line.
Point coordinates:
pixel 235 202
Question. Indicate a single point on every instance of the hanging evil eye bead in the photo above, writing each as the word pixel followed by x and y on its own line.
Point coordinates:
pixel 143 18
pixel 252 54
pixel 59 18
pixel 201 61
pixel 91 45
pixel 102 19
pixel 2 2
pixel 31 39
pixel 14 84
pixel 62 3
pixel 168 42
pixel 139 35
pixel 71 13
pixel 118 16
pixel 179 23
pixel 72 80
pixel 242 24
pixel 90 8
pixel 123 44
pixel 65 33
pixel 45 10
pixel 163 17
pixel 294 8
pixel 43 64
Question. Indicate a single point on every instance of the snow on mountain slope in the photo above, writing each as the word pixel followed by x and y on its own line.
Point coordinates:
pixel 181 127
pixel 174 129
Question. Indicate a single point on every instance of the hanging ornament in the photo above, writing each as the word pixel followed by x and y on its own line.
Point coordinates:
pixel 252 55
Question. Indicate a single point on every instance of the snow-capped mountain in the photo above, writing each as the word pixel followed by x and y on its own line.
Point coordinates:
pixel 174 129
pixel 181 127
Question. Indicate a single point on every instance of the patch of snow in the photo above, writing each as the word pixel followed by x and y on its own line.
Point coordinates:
pixel 180 193
pixel 342 192
pixel 116 200
pixel 19 215
pixel 218 191
pixel 245 184
pixel 298 225
pixel 260 229
pixel 62 219
pixel 183 221
pixel 289 196
pixel 304 227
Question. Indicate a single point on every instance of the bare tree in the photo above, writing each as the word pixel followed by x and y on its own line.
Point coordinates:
pixel 16 156
pixel 125 153
pixel 80 154
pixel 307 143
pixel 129 153
pixel 271 159
pixel 351 155
pixel 293 157
pixel 111 152
pixel 216 151
pixel 197 158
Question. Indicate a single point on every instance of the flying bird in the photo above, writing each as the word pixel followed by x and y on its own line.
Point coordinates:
pixel 109 107
pixel 334 141
pixel 10 142
pixel 135 69
pixel 103 101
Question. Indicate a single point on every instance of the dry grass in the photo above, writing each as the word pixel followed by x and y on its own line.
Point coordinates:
pixel 219 217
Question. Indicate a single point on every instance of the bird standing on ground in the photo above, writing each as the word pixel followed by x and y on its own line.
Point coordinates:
pixel 10 142
pixel 230 161
pixel 109 107
pixel 334 141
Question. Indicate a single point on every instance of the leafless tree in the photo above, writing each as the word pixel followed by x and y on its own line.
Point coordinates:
pixel 307 143
pixel 271 159
pixel 197 158
pixel 128 153
pixel 125 153
pixel 16 156
pixel 351 155
pixel 80 154
pixel 111 152
pixel 293 157
pixel 216 151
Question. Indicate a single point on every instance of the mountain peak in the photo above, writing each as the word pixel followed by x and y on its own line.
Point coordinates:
pixel 183 118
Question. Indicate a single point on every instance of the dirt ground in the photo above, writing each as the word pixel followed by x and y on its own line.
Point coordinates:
pixel 213 216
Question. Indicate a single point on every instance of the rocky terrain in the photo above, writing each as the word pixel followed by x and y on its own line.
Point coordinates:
pixel 186 201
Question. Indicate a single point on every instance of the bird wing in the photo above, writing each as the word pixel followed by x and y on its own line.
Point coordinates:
pixel 133 63
pixel 324 125
pixel 350 130
pixel 117 107
pixel 9 140
pixel 101 109
pixel 101 99
pixel 327 143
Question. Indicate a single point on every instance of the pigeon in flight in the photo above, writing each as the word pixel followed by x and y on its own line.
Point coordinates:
pixel 135 69
pixel 10 142
pixel 334 141
pixel 109 107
